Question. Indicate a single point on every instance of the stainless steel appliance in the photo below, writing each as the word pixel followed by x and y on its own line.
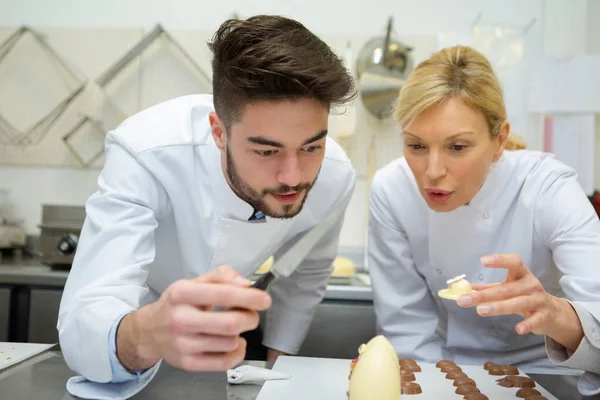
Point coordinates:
pixel 12 235
pixel 383 65
pixel 60 230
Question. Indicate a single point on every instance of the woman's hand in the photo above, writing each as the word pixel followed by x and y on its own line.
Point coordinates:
pixel 522 293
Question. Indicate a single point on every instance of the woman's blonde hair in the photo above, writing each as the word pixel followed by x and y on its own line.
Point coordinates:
pixel 461 72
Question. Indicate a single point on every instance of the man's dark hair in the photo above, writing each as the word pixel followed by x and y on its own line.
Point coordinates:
pixel 274 58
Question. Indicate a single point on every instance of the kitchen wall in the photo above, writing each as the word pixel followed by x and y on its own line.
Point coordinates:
pixel 593 47
pixel 420 20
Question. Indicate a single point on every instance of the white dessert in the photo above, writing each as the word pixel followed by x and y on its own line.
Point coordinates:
pixel 456 287
pixel 376 373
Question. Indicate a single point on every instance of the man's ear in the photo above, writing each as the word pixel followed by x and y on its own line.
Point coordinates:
pixel 217 130
pixel 502 140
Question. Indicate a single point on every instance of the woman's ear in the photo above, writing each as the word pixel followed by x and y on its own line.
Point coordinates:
pixel 502 140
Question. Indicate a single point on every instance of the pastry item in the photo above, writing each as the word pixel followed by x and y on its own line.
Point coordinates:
pixel 526 392
pixel 503 370
pixel 343 267
pixel 464 389
pixel 407 361
pixel 450 367
pixel 442 363
pixel 408 364
pixel 375 374
pixel 523 393
pixel 489 365
pixel 409 388
pixel 456 288
pixel 536 397
pixel 406 376
pixel 516 381
pixel 464 381
pixel 454 375
pixel 410 367
pixel 475 396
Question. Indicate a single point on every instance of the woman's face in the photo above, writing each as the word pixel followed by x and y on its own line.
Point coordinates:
pixel 449 150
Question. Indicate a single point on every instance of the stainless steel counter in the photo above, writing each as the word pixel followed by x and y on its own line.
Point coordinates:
pixel 33 293
pixel 30 272
pixel 45 377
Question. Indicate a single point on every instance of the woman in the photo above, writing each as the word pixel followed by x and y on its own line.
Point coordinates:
pixel 458 203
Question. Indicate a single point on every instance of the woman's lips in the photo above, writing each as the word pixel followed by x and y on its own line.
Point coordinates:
pixel 438 196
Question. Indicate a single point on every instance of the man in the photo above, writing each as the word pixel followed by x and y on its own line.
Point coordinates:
pixel 193 198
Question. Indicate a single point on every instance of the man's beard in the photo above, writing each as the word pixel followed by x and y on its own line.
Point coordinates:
pixel 257 200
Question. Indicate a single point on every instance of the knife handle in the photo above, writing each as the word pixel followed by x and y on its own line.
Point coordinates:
pixel 264 281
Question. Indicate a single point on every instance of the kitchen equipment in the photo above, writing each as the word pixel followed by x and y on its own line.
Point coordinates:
pixel 60 230
pixel 3 200
pixel 382 67
pixel 325 378
pixel 289 261
pixel 12 236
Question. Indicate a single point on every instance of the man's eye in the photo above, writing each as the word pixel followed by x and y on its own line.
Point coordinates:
pixel 311 149
pixel 265 153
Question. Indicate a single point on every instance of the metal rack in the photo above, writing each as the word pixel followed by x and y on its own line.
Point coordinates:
pixel 110 74
pixel 36 133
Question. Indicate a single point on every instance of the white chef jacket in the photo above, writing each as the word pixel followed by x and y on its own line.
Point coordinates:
pixel 165 212
pixel 531 205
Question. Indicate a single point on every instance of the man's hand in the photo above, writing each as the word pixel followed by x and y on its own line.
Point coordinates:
pixel 522 293
pixel 183 329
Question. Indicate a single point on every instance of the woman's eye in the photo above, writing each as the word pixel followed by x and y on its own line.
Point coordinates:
pixel 458 147
pixel 416 146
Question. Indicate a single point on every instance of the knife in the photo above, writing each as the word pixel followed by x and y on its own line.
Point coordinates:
pixel 285 265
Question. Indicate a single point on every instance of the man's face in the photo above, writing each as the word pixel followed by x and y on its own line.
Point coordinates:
pixel 272 156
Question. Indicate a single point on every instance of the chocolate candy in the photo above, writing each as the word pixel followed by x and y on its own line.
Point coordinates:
pixel 516 381
pixel 441 363
pixel 503 370
pixel 450 367
pixel 410 388
pixel 523 393
pixel 536 397
pixel 476 396
pixel 488 365
pixel 406 376
pixel 407 366
pixel 464 381
pixel 407 361
pixel 454 375
pixel 464 389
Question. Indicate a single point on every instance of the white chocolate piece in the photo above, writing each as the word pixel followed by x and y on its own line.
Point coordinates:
pixel 376 375
pixel 458 278
pixel 456 289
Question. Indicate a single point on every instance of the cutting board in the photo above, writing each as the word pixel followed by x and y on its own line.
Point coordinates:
pixel 323 378
pixel 13 353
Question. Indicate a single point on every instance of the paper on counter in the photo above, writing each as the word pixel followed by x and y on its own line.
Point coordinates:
pixel 13 353
pixel 252 375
